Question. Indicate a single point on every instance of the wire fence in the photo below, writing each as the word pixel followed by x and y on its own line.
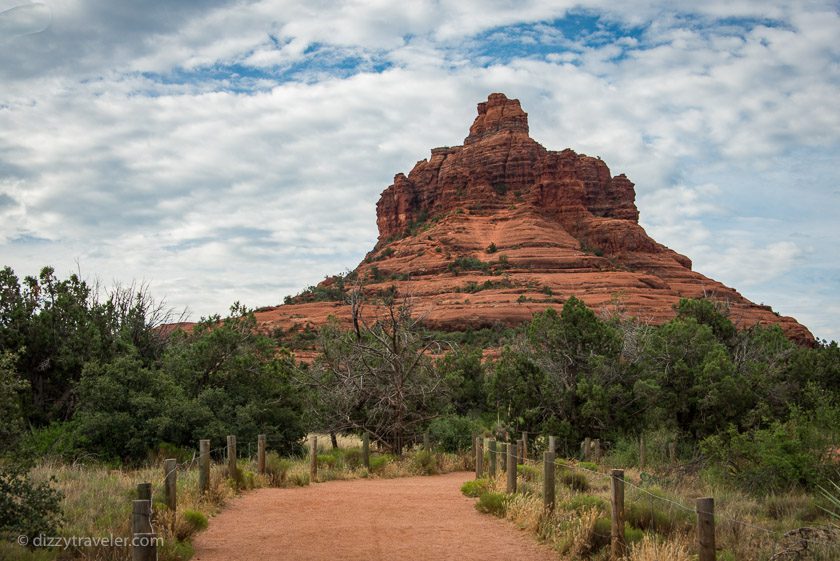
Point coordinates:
pixel 784 542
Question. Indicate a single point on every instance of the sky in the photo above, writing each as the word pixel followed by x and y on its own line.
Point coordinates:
pixel 234 151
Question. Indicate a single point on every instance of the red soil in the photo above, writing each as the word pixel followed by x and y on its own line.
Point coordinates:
pixel 411 519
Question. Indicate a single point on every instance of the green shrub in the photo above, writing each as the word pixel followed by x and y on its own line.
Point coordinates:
pixel 491 502
pixel 195 519
pixel 175 550
pixel 424 462
pixel 654 515
pixel 453 433
pixel 166 450
pixel 500 189
pixel 248 479
pixel 191 522
pixel 299 479
pixel 602 534
pixel 58 439
pixel 574 480
pixel 27 508
pixel 780 457
pixel 582 502
pixel 475 488
pixel 353 458
pixel 528 473
pixel 330 460
pixel 276 468
pixel 631 534
pixel 378 462
pixel 588 466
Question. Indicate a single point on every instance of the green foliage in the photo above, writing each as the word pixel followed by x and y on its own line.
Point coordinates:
pixel 631 534
pixel 493 503
pixel 475 488
pixel 463 374
pixel 424 462
pixel 195 521
pixel 653 515
pixel 332 289
pixel 58 439
pixel 491 248
pixel 574 480
pixel 276 468
pixel 56 326
pixel 500 189
pixel 779 457
pixel 581 502
pixel 453 433
pixel 472 287
pixel 353 457
pixel 11 388
pixel 176 550
pixel 527 472
pixel 601 534
pixel 468 263
pixel 379 461
pixel 482 338
pixel 26 507
pixel 709 313
pixel 588 466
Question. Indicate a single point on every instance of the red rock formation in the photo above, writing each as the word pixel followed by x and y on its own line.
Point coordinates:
pixel 559 223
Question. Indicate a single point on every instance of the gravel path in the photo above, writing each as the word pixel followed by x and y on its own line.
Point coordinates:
pixel 407 519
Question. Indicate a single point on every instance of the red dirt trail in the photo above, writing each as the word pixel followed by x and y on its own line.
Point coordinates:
pixel 407 519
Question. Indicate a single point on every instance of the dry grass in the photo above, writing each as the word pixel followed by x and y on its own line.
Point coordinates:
pixel 651 549
pixel 97 499
pixel 747 528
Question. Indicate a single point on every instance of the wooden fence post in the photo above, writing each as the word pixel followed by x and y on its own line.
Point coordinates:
pixel 231 456
pixel 427 443
pixel 706 528
pixel 144 545
pixel 520 454
pixel 596 449
pixel 552 444
pixel 491 457
pixel 524 446
pixel 642 451
pixel 587 443
pixel 548 481
pixel 313 458
pixel 503 453
pixel 144 491
pixel 366 450
pixel 511 469
pixel 170 484
pixel 479 457
pixel 203 466
pixel 261 454
pixel 618 546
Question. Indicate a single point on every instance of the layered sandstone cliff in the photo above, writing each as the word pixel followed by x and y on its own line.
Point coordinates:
pixel 499 228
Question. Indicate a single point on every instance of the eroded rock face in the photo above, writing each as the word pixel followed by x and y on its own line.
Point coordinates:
pixel 499 228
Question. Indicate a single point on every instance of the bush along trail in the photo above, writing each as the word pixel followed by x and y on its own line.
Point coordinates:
pixel 585 510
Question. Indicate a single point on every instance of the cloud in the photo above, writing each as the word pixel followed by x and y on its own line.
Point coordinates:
pixel 235 151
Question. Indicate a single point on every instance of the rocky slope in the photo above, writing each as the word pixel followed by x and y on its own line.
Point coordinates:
pixel 499 228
